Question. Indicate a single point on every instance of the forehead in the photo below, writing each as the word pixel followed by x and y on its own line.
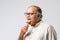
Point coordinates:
pixel 32 10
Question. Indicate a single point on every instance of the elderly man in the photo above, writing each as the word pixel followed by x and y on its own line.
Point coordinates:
pixel 35 28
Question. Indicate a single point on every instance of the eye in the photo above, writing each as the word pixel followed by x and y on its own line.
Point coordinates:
pixel 31 13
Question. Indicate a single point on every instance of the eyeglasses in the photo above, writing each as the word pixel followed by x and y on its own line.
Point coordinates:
pixel 29 13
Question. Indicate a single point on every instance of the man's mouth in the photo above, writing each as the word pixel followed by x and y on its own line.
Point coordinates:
pixel 28 19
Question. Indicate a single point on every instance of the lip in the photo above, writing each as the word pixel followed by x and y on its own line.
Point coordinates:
pixel 28 19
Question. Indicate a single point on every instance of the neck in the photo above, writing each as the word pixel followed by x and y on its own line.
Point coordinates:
pixel 35 23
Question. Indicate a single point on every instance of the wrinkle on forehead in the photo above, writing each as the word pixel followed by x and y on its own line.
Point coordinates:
pixel 32 9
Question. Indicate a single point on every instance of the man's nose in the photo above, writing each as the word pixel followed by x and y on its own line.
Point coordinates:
pixel 27 15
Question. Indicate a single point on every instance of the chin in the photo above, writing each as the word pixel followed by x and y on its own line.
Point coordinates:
pixel 31 23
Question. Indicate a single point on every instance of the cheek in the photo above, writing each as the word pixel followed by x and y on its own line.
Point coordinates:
pixel 33 18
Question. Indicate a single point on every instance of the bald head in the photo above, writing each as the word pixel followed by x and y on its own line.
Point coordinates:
pixel 38 9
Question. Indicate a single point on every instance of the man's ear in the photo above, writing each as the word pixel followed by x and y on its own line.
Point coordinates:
pixel 41 16
pixel 38 15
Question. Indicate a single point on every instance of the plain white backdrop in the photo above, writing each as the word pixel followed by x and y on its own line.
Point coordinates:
pixel 12 16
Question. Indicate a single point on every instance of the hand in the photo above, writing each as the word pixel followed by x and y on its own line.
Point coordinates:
pixel 24 29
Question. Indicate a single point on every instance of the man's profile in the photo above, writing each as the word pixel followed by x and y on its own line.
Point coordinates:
pixel 35 28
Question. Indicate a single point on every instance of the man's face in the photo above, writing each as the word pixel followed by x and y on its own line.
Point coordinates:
pixel 31 15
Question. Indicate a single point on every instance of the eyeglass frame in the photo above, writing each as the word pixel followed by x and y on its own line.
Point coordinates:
pixel 29 13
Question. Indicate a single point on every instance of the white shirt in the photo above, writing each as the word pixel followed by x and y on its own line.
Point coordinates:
pixel 42 31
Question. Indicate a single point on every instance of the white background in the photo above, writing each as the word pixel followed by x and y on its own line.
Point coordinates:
pixel 12 16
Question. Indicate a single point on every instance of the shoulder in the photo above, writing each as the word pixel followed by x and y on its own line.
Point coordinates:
pixel 44 24
pixel 47 25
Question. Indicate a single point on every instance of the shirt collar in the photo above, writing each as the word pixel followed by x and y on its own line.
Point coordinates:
pixel 37 24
